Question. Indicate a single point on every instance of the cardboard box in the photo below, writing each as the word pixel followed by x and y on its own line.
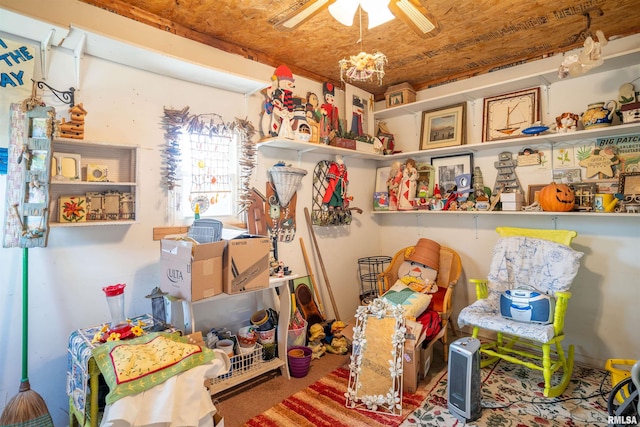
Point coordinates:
pixel 426 355
pixel 191 271
pixel 246 264
pixel 417 360
pixel 411 356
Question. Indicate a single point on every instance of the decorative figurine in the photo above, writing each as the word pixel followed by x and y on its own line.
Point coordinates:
pixel 336 195
pixel 316 335
pixel 329 122
pixel 408 186
pixel 339 343
pixel 393 184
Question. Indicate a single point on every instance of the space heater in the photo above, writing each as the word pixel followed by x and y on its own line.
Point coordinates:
pixel 463 390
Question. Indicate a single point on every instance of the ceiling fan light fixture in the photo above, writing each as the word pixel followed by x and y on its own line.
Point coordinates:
pixel 377 11
pixel 311 9
pixel 344 11
pixel 416 16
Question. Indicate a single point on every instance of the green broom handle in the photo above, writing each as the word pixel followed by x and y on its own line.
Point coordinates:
pixel 25 313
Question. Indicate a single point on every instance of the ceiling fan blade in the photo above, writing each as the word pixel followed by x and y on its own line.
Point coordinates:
pixel 416 16
pixel 298 13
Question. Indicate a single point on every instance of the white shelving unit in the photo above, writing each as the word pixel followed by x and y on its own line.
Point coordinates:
pixel 121 162
pixel 280 300
pixel 544 138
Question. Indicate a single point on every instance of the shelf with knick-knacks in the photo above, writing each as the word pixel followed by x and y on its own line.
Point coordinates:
pixel 93 183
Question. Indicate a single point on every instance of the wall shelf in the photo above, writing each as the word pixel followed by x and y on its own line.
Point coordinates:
pixel 545 138
pixel 121 162
pixel 617 54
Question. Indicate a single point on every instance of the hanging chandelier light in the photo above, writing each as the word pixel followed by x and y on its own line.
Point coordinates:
pixel 364 66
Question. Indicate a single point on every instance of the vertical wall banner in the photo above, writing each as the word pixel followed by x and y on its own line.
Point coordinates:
pixel 17 65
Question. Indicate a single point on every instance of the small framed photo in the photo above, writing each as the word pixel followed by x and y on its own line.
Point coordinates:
pixel 444 127
pixel 447 168
pixel 505 116
pixel 534 191
pixel 629 183
pixel 396 98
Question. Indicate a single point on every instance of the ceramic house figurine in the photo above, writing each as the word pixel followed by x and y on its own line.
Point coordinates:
pixel 75 128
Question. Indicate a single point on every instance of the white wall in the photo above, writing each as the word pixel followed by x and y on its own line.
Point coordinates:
pixel 126 105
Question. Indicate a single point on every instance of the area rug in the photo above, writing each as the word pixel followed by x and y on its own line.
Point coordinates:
pixel 512 397
pixel 323 404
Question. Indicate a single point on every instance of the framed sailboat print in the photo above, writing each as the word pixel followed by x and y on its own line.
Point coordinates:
pixel 505 116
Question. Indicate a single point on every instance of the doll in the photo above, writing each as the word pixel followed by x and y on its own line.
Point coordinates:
pixel 335 196
pixel 339 343
pixel 316 335
pixel 408 186
pixel 393 185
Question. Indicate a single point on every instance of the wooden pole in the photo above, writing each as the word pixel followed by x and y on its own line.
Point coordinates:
pixel 324 271
pixel 313 280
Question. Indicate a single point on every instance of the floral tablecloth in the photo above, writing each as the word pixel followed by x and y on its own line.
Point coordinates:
pixel 79 353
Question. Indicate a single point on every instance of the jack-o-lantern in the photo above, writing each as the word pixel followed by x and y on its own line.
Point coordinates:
pixel 557 198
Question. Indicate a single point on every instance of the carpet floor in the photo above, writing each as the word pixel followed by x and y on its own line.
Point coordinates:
pixel 512 396
pixel 323 404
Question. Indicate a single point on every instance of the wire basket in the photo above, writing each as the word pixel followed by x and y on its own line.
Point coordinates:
pixel 286 180
pixel 242 365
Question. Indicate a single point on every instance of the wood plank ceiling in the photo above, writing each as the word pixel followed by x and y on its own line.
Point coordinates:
pixel 473 37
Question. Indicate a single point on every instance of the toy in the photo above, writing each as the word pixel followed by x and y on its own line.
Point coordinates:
pixel 339 343
pixel 316 335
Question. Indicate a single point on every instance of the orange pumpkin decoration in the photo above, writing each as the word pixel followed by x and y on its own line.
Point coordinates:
pixel 557 198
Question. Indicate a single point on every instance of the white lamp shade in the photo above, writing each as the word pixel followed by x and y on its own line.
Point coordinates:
pixel 377 11
pixel 344 11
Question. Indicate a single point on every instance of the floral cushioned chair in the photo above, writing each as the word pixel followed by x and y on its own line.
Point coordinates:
pixel 542 260
pixel 448 273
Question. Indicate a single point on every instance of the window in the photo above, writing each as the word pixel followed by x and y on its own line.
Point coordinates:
pixel 209 174
pixel 207 163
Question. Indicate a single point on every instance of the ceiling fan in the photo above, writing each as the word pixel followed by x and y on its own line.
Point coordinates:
pixel 412 12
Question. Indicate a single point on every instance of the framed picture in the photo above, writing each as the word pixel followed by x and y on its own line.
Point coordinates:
pixel 396 98
pixel 447 168
pixel 534 189
pixel 505 116
pixel 444 127
pixel 629 183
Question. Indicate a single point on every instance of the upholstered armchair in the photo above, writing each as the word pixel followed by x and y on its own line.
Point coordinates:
pixel 540 260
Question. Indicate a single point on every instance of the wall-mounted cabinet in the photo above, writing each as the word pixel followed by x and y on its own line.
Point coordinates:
pixel 97 179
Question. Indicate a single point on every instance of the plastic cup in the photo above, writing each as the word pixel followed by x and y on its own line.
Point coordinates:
pixel 226 346
pixel 266 337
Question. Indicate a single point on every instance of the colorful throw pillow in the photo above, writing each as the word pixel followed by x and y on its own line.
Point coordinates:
pixel 414 303
pixel 130 367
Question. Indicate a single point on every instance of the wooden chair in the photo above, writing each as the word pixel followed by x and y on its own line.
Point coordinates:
pixel 448 275
pixel 543 261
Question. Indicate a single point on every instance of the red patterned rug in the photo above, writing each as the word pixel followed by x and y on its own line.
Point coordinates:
pixel 323 404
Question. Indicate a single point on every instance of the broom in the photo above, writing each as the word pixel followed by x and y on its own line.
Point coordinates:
pixel 27 408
